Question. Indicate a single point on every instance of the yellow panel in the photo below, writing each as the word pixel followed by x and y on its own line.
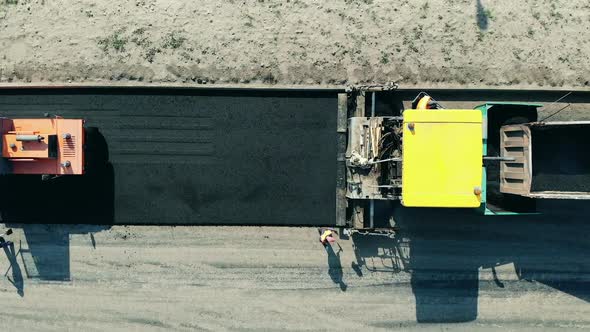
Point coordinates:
pixel 442 158
pixel 471 116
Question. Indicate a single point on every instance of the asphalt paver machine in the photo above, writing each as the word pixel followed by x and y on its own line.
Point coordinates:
pixel 497 158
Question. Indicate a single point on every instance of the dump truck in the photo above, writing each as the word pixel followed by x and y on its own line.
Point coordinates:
pixel 49 147
pixel 497 159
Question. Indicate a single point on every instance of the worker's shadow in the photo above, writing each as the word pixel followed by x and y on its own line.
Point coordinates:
pixel 16 276
pixel 49 211
pixel 335 266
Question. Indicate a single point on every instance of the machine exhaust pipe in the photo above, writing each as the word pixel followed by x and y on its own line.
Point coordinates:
pixel 29 138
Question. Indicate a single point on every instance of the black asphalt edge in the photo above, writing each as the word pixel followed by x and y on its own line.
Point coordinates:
pixel 454 94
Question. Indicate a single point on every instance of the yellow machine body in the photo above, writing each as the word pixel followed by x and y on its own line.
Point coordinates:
pixel 442 158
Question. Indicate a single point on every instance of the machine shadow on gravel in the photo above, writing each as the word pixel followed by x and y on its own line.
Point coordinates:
pixel 445 250
pixel 69 199
pixel 49 211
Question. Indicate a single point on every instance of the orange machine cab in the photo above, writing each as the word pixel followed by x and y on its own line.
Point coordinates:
pixel 42 146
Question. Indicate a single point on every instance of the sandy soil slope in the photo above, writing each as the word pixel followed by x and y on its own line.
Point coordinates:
pixel 425 42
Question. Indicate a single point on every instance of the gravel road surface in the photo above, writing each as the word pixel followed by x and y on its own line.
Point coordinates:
pixel 435 274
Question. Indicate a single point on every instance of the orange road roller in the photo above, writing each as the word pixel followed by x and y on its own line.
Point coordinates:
pixel 51 146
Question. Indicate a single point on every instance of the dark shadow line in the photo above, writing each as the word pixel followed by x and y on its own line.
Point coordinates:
pixel 335 267
pixel 17 275
pixel 481 16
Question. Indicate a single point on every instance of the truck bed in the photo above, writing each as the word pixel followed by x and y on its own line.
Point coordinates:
pixel 561 161
pixel 550 160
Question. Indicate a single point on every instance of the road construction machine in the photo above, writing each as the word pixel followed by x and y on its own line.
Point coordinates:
pixel 497 158
pixel 51 146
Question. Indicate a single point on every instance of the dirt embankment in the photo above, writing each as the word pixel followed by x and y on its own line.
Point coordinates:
pixel 425 42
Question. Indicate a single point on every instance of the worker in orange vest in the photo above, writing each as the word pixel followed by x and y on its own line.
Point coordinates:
pixel 327 236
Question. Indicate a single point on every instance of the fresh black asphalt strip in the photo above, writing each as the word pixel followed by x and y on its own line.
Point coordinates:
pixel 186 157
